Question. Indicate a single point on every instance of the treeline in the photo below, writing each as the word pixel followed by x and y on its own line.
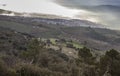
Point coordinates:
pixel 37 60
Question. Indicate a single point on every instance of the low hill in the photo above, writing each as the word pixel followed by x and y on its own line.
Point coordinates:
pixel 24 55
pixel 93 37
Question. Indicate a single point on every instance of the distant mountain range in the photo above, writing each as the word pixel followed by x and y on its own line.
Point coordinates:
pixel 103 8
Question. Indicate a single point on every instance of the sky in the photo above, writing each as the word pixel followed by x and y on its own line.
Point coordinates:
pixel 88 2
pixel 105 12
pixel 38 6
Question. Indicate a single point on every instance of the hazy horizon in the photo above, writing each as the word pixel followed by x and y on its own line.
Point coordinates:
pixel 99 11
pixel 39 6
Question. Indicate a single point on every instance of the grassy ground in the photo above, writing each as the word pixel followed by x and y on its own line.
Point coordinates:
pixel 53 40
pixel 66 50
pixel 77 45
pixel 74 43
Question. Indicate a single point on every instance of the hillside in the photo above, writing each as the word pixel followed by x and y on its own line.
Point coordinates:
pixel 59 38
pixel 25 55
pixel 90 36
pixel 32 48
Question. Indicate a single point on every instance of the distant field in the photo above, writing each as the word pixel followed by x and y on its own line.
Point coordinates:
pixel 39 31
pixel 16 26
pixel 63 44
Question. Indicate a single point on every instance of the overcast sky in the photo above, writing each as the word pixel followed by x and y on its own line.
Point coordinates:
pixel 100 11
pixel 38 6
pixel 89 2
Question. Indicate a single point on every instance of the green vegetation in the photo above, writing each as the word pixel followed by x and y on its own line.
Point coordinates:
pixel 53 41
pixel 84 53
pixel 37 60
pixel 32 51
pixel 85 56
pixel 24 55
pixel 110 63
pixel 76 44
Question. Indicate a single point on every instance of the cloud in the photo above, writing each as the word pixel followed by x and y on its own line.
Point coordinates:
pixel 102 11
pixel 77 3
